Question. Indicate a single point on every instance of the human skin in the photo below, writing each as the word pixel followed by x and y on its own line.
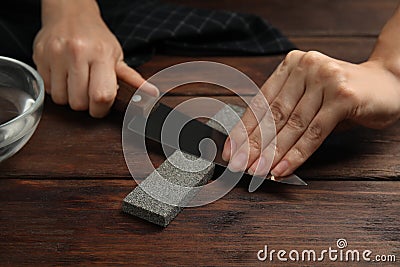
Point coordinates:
pixel 79 58
pixel 309 94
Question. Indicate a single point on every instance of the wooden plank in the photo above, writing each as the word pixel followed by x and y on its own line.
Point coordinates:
pixel 71 144
pixel 313 17
pixel 80 222
pixel 350 49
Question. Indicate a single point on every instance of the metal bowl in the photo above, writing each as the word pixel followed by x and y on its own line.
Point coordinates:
pixel 21 104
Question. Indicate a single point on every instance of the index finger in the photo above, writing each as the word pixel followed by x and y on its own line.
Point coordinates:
pixel 259 104
pixel 132 77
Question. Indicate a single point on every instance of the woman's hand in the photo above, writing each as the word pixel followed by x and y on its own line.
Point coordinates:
pixel 79 58
pixel 309 94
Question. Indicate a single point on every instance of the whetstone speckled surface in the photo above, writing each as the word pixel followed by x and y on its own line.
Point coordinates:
pixel 140 204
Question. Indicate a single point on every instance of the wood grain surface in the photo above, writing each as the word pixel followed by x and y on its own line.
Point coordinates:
pixel 60 196
pixel 79 222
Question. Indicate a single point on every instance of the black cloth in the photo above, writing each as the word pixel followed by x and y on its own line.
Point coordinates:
pixel 146 27
pixel 19 23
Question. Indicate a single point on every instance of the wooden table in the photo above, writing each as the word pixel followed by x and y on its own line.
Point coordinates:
pixel 60 196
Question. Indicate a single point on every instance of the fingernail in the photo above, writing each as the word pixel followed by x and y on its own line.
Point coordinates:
pixel 238 162
pixel 261 167
pixel 250 171
pixel 151 89
pixel 280 168
pixel 229 149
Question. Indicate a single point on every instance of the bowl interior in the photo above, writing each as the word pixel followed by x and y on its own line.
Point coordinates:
pixel 19 90
pixel 21 102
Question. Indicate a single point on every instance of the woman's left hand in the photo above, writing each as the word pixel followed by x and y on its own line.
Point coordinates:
pixel 309 94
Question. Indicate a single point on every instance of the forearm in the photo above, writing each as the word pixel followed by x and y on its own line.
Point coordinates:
pixel 53 10
pixel 387 47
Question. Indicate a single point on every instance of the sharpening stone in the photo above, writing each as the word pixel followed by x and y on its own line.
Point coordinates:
pixel 142 205
pixel 224 117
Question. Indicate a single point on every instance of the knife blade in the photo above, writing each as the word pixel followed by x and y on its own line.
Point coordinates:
pixel 189 138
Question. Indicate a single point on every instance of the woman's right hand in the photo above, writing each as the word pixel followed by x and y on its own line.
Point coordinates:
pixel 79 58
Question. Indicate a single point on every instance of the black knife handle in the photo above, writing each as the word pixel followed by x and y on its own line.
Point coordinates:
pixel 143 103
pixel 124 95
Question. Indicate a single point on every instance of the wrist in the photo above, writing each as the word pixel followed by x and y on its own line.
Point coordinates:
pixel 387 76
pixel 53 11
pixel 387 49
pixel 389 64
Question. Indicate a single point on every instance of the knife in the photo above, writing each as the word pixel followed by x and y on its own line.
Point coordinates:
pixel 187 139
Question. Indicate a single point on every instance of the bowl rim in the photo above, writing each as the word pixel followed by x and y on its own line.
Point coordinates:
pixel 40 98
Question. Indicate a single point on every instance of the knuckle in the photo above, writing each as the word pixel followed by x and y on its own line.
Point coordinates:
pixel 314 133
pixel 56 46
pixel 103 97
pixel 259 103
pixel 331 70
pixel 299 154
pixel 255 143
pixel 291 56
pixel 345 92
pixel 311 58
pixel 296 122
pixel 79 105
pixel 59 100
pixel 99 48
pixel 38 48
pixel 77 46
pixel 278 112
pixel 350 99
pixel 105 48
